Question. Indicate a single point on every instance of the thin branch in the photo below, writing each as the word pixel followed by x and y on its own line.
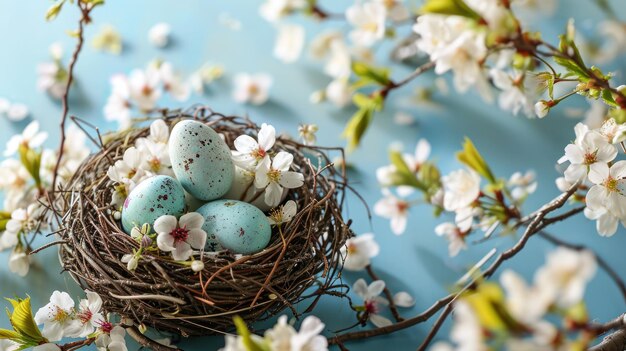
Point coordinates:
pixel 84 10
pixel 535 221
pixel 416 73
pixel 147 342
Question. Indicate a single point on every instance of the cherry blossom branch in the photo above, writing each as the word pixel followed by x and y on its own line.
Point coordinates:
pixel 601 261
pixel 388 295
pixel 416 73
pixel 75 345
pixel 535 223
pixel 85 9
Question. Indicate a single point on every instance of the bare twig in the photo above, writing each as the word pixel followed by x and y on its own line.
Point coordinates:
pixel 85 9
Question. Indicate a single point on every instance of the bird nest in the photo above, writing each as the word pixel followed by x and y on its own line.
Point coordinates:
pixel 300 266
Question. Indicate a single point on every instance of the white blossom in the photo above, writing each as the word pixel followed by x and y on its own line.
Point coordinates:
pixel 284 337
pixel 514 95
pixel 403 299
pixel 173 82
pixel 197 266
pixel 274 175
pixel 52 79
pixel 394 209
pixel 159 34
pixel 320 46
pixel 522 185
pixel 461 189
pixel 372 300
pixel 606 201
pixel 31 138
pixel 252 89
pixel 19 262
pixel 180 236
pixel 144 87
pixel 17 112
pixel 396 10
pixel 57 317
pixel 8 345
pixel 250 152
pixel 289 43
pixel 89 314
pixel 307 133
pixel 566 274
pixel 49 346
pixel 338 92
pixel 589 151
pixel 24 219
pixel 368 20
pixel 542 108
pixel 358 251
pixel 118 106
pixel 339 63
pixel 115 340
pixel 109 40
pixel 283 214
pixel 454 235
pixel 131 260
pixel 273 10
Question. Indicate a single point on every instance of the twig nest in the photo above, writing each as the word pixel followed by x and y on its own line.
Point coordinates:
pixel 197 292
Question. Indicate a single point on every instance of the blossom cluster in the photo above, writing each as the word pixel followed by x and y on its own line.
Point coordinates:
pixel 592 159
pixel 62 318
pixel 25 176
pixel 549 314
pixel 460 193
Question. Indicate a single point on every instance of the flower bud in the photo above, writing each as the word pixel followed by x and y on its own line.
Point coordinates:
pixel 197 266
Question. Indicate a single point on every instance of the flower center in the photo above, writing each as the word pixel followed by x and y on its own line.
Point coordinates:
pixel 352 249
pixel 371 27
pixel 259 153
pixel 611 184
pixel 155 164
pixel 180 234
pixel 60 315
pixel 590 158
pixel 106 327
pixel 402 206
pixel 146 90
pixel 85 316
pixel 253 89
pixel 274 175
pixel 371 307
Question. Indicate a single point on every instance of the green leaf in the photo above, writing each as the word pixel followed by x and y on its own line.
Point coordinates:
pixel 54 10
pixel 607 96
pixel 357 126
pixel 474 160
pixel 242 330
pixel 404 175
pixel 9 334
pixel 31 160
pixel 370 74
pixel 23 322
pixel 450 7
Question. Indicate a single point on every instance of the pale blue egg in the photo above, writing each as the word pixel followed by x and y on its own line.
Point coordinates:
pixel 201 160
pixel 237 226
pixel 152 198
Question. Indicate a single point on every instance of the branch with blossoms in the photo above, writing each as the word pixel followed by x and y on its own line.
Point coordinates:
pixel 483 43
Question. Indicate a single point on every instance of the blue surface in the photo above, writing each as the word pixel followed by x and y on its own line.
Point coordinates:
pixel 406 262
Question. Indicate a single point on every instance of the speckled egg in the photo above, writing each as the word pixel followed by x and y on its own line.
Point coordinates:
pixel 242 182
pixel 201 160
pixel 152 198
pixel 238 226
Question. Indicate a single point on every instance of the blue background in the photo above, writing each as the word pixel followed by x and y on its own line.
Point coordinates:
pixel 417 261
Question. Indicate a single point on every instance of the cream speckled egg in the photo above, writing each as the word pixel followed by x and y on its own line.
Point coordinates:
pixel 152 198
pixel 237 226
pixel 201 160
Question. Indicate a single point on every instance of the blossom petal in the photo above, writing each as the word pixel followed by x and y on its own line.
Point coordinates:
pixel 165 242
pixel 291 180
pixel 376 288
pixel 282 161
pixel 197 238
pixel 380 321
pixel 360 287
pixel 182 251
pixel 165 224
pixel 403 299
pixel 245 144
pixel 267 136
pixel 191 220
